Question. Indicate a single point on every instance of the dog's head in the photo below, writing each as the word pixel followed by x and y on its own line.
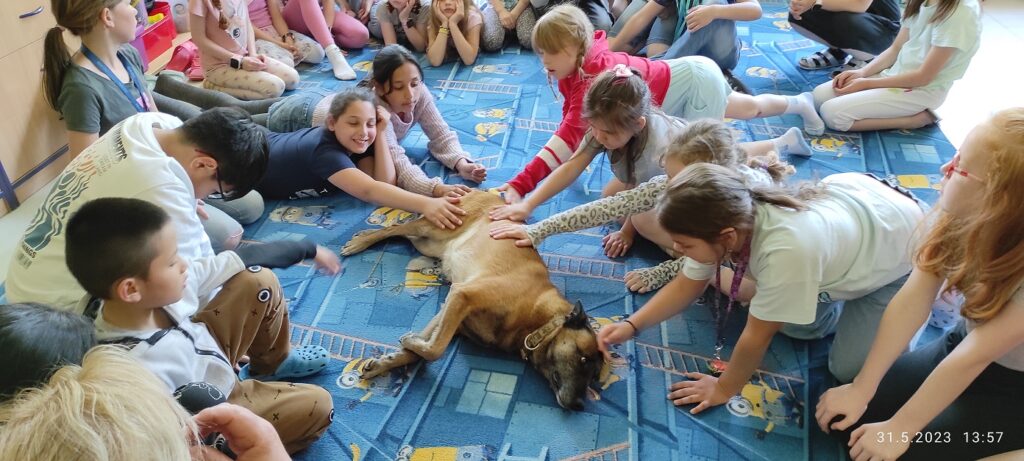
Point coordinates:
pixel 565 352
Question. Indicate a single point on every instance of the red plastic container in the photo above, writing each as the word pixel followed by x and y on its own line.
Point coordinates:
pixel 158 37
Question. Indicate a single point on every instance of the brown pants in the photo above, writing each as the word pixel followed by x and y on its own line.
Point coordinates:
pixel 249 316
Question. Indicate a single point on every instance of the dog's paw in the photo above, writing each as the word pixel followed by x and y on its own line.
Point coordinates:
pixel 411 341
pixel 372 368
pixel 359 242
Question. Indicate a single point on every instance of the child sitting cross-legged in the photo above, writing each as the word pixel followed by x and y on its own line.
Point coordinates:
pixel 123 251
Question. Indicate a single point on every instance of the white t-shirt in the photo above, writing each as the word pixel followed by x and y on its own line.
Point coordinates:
pixel 125 162
pixel 854 240
pixel 960 30
pixel 661 131
pixel 1014 359
pixel 186 352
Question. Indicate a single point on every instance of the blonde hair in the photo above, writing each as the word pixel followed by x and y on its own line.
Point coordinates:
pixel 712 141
pixel 561 27
pixel 983 256
pixel 108 409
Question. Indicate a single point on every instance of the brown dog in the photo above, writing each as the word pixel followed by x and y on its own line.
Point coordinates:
pixel 500 297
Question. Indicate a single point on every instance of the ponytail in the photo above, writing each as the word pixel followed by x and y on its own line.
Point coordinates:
pixel 770 163
pixel 56 61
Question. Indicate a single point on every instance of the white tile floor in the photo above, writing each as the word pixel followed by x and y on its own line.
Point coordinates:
pixel 986 88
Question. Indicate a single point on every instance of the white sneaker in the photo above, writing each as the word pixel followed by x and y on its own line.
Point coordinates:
pixel 342 71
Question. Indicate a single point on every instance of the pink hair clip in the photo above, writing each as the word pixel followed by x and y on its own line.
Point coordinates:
pixel 622 71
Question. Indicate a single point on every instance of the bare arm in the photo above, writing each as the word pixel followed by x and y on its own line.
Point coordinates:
pixel 437 46
pixel 749 352
pixel 387 29
pixel 197 25
pixel 329 12
pixel 358 184
pixel 982 346
pixel 416 36
pixel 78 141
pixel 742 10
pixel 936 60
pixel 383 165
pixel 853 6
pixel 274 6
pixel 468 44
pixel 672 299
pixel 888 57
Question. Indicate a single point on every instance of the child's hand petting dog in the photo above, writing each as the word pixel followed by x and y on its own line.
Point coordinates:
pixel 510 230
pixel 443 213
pixel 517 212
pixel 326 261
pixel 451 190
pixel 470 170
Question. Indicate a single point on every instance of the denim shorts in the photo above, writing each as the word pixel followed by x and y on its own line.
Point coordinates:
pixel 295 112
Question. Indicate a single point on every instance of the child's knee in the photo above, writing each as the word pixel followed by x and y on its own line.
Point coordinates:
pixel 259 281
pixel 323 409
pixel 835 116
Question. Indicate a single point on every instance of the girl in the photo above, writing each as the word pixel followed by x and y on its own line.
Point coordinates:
pixel 690 87
pixel 227 50
pixel 344 155
pixel 705 140
pixel 103 84
pixel 456 24
pixel 273 38
pixel 403 22
pixel 839 281
pixel 33 356
pixel 397 80
pixel 965 386
pixel 902 86
pixel 347 26
pixel 624 122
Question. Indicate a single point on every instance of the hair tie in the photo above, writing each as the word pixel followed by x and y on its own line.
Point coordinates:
pixel 61 29
pixel 621 71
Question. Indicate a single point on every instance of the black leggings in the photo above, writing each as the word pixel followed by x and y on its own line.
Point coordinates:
pixel 871 32
pixel 993 402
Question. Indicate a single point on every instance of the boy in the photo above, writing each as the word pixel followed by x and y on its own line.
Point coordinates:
pixel 124 252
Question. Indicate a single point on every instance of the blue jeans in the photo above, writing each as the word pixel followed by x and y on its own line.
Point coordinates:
pixel 717 41
pixel 295 112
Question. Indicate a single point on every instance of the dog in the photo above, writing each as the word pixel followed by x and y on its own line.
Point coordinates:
pixel 501 296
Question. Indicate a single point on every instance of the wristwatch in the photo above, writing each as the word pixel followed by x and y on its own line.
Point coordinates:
pixel 818 2
pixel 236 62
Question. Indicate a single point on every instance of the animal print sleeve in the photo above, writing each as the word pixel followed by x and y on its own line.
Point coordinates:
pixel 632 201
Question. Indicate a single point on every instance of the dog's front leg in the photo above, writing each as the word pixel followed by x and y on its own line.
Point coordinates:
pixel 387 362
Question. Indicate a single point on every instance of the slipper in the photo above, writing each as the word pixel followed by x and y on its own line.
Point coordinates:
pixel 303 361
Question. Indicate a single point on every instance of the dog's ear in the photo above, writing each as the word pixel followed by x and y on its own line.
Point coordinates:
pixel 577 319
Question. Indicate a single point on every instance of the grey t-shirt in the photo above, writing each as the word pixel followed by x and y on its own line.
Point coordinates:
pixel 91 103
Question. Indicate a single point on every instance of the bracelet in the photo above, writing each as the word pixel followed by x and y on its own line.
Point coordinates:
pixel 442 30
pixel 630 322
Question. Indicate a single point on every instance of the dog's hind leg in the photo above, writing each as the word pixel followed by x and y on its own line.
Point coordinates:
pixel 380 365
pixel 458 305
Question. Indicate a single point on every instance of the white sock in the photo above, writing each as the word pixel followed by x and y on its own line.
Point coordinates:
pixel 792 143
pixel 803 104
pixel 342 71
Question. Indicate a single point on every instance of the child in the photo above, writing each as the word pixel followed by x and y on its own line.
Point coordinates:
pixel 456 25
pixel 691 87
pixel 397 80
pixel 962 388
pixel 31 357
pixel 515 17
pixel 705 140
pixel 403 22
pixel 902 86
pixel 635 134
pixel 344 155
pixel 104 83
pixel 673 29
pixel 227 49
pixel 853 34
pixel 838 281
pixel 273 38
pixel 111 408
pixel 124 252
pixel 348 27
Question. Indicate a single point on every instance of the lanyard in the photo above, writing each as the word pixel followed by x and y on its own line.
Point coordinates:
pixel 717 366
pixel 136 81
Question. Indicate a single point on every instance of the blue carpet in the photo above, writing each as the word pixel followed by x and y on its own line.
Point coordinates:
pixel 477 404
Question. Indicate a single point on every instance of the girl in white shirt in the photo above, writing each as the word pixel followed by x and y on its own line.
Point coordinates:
pixel 902 86
pixel 846 239
pixel 963 391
